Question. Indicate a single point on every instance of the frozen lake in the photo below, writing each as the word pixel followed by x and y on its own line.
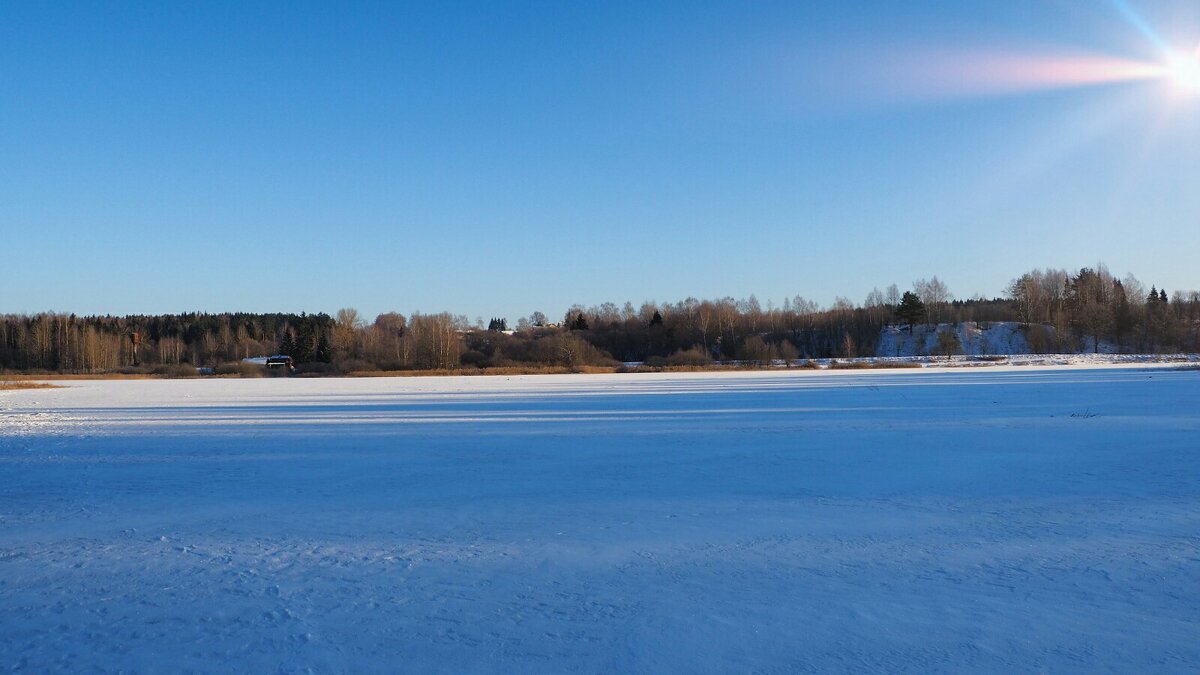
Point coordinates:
pixel 987 519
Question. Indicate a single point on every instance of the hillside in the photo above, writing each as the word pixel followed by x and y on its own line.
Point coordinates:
pixel 969 338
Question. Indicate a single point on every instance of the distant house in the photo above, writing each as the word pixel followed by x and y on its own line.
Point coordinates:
pixel 272 362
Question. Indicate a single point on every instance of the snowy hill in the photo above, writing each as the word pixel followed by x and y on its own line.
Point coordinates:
pixel 969 338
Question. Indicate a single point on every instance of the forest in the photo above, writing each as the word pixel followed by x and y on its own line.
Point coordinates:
pixel 1059 312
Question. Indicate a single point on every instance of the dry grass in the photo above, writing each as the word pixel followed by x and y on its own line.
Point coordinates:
pixel 12 386
pixel 26 377
pixel 475 372
pixel 871 365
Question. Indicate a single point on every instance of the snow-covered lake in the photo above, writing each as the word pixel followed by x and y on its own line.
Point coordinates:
pixel 986 520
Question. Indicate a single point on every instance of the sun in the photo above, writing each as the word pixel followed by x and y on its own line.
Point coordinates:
pixel 1183 72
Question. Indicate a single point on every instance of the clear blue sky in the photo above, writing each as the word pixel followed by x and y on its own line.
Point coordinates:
pixel 492 159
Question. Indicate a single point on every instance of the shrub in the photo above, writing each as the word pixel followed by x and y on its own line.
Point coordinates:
pixel 473 357
pixel 1039 338
pixel 310 368
pixel 787 351
pixel 355 366
pixel 565 349
pixel 755 350
pixel 947 343
pixel 175 370
pixel 241 369
pixel 696 356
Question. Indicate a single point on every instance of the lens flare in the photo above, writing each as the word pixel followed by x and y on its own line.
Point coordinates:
pixel 1183 72
pixel 967 74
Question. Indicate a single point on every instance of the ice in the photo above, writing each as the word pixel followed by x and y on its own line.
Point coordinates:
pixel 996 519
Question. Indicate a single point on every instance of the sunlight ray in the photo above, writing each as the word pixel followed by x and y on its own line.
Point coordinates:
pixel 1135 19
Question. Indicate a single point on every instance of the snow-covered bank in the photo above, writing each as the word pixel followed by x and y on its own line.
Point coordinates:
pixel 972 338
pixel 968 338
pixel 1027 360
pixel 1007 518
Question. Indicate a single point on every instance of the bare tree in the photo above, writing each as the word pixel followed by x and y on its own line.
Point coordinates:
pixel 934 294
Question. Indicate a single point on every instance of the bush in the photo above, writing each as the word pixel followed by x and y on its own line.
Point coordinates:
pixel 356 366
pixel 242 369
pixel 787 351
pixel 755 350
pixel 473 357
pixel 1039 339
pixel 947 343
pixel 175 370
pixel 565 349
pixel 695 356
pixel 310 368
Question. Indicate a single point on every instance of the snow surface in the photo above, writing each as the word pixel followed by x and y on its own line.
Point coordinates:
pixel 997 519
pixel 974 339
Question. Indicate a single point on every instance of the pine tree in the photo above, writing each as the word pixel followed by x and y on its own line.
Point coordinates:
pixel 911 309
pixel 657 319
pixel 287 344
pixel 304 342
pixel 580 322
pixel 323 353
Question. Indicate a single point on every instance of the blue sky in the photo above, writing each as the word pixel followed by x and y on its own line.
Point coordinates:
pixel 492 159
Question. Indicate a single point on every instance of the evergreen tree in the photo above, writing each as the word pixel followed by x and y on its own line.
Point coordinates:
pixel 580 322
pixel 1162 295
pixel 657 319
pixel 911 309
pixel 287 344
pixel 1122 315
pixel 304 342
pixel 323 353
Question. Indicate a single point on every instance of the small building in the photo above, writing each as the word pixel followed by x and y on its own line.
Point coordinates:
pixel 278 361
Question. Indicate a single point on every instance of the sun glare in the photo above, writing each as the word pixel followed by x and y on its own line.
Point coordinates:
pixel 1183 71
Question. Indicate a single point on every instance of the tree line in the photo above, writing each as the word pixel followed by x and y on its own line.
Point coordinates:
pixel 1060 312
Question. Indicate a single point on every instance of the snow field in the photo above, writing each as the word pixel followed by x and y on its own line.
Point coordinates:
pixel 997 519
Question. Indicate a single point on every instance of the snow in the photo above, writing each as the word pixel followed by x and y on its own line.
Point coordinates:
pixel 974 339
pixel 1009 518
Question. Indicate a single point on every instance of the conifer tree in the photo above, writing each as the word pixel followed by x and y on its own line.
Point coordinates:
pixel 304 343
pixel 287 344
pixel 911 309
pixel 323 353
